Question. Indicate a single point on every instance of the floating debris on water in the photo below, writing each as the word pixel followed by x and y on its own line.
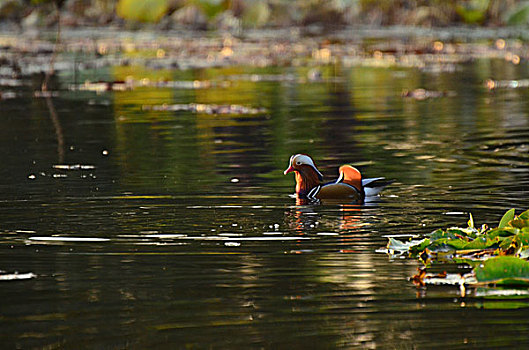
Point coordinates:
pixel 422 94
pixel 16 276
pixel 230 237
pixel 10 82
pixel 102 103
pixel 165 235
pixel 45 94
pixel 68 239
pixel 101 86
pixel 7 95
pixel 314 75
pixel 493 292
pixel 263 77
pixel 301 251
pixel 73 167
pixel 205 108
pixel 277 238
pixel 506 84
pixel 423 278
pixel 131 84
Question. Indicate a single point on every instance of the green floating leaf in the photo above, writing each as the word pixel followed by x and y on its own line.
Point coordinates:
pixel 458 244
pixel 524 215
pixel 461 244
pixel 503 270
pixel 459 232
pixel 520 223
pixel 481 243
pixel 508 216
pixel 521 240
pixel 142 10
pixel 451 233
pixel 499 232
pixel 506 243
pixel 421 246
pixel 470 262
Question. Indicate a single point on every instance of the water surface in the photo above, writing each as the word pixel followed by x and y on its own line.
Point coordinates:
pixel 152 228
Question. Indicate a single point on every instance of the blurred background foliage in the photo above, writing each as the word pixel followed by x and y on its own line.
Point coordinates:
pixel 238 14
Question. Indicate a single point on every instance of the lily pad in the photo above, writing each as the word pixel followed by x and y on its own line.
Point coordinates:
pixel 455 243
pixel 503 270
pixel 502 232
pixel 511 237
pixel 481 243
pixel 497 255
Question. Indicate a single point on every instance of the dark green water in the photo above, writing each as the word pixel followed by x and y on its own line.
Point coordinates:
pixel 201 246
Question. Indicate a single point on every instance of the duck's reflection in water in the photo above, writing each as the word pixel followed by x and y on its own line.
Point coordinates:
pixel 309 215
pixel 343 273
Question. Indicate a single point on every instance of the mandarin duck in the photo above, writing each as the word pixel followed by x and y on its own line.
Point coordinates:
pixel 349 185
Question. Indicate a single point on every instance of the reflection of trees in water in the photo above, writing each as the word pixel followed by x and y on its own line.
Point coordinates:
pixel 45 87
pixel 58 129
pixel 362 118
pixel 339 119
pixel 209 148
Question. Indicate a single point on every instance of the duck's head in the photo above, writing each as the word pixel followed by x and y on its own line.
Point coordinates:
pixel 302 163
pixel 307 175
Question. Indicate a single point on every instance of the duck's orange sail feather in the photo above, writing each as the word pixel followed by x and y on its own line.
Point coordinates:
pixel 351 176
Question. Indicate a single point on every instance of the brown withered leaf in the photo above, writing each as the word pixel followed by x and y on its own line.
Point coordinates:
pixel 418 279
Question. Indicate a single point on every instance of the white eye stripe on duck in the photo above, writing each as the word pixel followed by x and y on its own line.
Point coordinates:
pixel 303 159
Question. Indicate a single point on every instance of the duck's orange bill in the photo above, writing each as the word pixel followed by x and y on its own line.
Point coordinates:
pixel 289 170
